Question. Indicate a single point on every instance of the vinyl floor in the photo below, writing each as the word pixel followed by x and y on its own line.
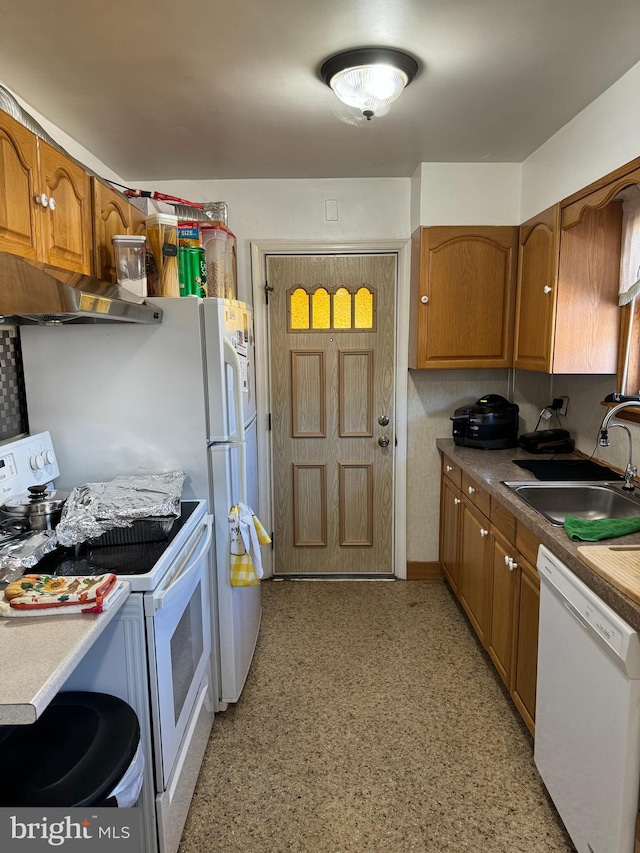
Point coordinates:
pixel 372 721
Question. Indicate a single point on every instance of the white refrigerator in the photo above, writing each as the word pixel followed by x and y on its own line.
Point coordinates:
pixel 125 398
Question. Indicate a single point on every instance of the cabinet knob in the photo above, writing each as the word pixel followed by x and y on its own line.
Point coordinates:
pixel 448 468
pixel 52 204
pixel 547 289
pixel 483 532
pixel 471 490
pixel 456 501
pixel 512 565
pixel 424 299
pixel 506 559
pixel 42 198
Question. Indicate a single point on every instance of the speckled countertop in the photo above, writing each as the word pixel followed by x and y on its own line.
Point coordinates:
pixel 490 467
pixel 39 653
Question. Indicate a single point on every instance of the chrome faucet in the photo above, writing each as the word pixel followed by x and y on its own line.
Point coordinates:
pixel 631 470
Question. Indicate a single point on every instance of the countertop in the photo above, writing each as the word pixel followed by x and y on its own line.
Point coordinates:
pixel 489 467
pixel 39 653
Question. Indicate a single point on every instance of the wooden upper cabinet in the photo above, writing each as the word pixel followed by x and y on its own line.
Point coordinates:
pixel 462 296
pixel 66 221
pixel 18 186
pixel 567 316
pixel 538 255
pixel 112 214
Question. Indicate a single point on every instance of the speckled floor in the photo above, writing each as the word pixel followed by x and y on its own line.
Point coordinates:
pixel 372 722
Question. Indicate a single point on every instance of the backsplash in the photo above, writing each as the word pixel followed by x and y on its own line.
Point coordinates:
pixel 13 401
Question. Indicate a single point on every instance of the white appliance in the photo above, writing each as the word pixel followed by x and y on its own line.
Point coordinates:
pixel 155 653
pixel 587 744
pixel 130 398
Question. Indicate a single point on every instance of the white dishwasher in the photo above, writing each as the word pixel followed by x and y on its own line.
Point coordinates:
pixel 587 744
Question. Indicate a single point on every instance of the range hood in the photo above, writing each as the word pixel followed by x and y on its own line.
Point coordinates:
pixel 32 292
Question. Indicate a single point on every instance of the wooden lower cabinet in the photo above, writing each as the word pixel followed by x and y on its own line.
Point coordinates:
pixel 505 589
pixel 450 513
pixel 489 564
pixel 523 691
pixel 475 568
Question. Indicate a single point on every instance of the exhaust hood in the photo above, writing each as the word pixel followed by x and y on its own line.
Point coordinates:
pixel 32 292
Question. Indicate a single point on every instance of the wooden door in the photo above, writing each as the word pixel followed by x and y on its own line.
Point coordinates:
pixel 474 568
pixel 525 674
pixel 537 291
pixel 66 224
pixel 18 188
pixel 331 328
pixel 462 296
pixel 450 512
pixel 505 586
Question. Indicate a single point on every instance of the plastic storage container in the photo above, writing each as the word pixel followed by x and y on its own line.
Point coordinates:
pixel 162 233
pixel 130 261
pixel 230 284
pixel 214 241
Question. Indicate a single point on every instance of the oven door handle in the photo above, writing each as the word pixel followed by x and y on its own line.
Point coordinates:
pixel 178 581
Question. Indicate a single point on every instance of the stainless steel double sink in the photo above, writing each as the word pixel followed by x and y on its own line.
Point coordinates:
pixel 556 500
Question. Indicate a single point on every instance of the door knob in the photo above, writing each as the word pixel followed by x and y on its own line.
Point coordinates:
pixel 383 420
pixel 383 441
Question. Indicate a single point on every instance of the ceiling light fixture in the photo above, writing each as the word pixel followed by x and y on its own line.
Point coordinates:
pixel 369 78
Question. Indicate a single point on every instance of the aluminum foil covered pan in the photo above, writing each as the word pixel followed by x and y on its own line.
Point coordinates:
pixel 95 508
pixel 24 554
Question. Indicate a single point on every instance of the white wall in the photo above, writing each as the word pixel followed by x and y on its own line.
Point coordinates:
pixel 73 148
pixel 604 136
pixel 368 209
pixel 467 194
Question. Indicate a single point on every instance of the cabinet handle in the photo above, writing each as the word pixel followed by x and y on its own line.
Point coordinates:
pixel 506 559
pixel 547 289
pixel 483 532
pixel 471 490
pixel 448 469
pixel 424 299
pixel 512 565
pixel 456 501
pixel 52 204
pixel 43 199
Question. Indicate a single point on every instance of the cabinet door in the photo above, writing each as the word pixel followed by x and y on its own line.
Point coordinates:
pixel 66 225
pixel 538 259
pixel 505 587
pixel 450 512
pixel 111 215
pixel 463 297
pixel 523 691
pixel 18 188
pixel 475 567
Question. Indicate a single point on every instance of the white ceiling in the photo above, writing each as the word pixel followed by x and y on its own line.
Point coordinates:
pixel 159 89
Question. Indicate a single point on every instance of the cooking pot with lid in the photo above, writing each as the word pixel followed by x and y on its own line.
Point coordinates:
pixel 39 506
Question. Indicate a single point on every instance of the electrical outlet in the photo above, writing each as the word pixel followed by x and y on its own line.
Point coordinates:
pixel 561 404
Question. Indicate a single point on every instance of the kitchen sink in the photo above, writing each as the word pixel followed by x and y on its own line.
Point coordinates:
pixel 585 500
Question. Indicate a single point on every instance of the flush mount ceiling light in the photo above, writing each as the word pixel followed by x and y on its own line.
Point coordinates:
pixel 369 78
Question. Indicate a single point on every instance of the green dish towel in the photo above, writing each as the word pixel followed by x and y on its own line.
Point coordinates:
pixel 593 529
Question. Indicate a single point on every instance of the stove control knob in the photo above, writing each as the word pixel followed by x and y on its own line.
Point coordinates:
pixel 37 462
pixel 50 456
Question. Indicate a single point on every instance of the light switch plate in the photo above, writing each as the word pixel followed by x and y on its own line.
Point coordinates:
pixel 331 210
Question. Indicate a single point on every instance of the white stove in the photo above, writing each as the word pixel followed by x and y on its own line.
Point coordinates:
pixel 155 653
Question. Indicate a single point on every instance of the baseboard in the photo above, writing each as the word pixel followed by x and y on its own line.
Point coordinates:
pixel 417 571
